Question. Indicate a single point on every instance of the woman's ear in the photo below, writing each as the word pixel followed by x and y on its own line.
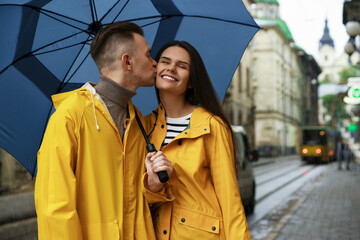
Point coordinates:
pixel 127 61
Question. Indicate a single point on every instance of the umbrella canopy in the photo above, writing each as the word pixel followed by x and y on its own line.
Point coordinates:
pixel 45 50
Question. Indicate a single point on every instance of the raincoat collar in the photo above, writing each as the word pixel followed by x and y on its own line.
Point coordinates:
pixel 91 92
pixel 199 122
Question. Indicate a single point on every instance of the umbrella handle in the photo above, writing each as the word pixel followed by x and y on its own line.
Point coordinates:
pixel 163 176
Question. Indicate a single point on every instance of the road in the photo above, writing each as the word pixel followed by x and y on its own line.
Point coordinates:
pixel 282 186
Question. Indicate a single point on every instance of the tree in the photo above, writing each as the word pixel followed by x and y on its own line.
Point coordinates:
pixel 325 80
pixel 335 107
pixel 346 73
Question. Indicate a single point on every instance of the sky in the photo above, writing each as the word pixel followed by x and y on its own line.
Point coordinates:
pixel 306 21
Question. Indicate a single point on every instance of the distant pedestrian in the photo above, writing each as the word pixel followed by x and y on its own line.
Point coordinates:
pixel 339 148
pixel 346 154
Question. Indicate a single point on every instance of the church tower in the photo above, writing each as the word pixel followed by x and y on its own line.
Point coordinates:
pixel 326 49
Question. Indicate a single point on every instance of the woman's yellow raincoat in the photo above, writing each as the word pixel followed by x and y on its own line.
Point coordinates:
pixel 207 202
pixel 89 180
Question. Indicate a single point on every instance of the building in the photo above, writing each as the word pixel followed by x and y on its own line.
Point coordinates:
pixel 278 98
pixel 309 90
pixel 329 63
pixel 274 88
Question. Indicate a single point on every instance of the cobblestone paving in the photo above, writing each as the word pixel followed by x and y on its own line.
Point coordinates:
pixel 331 211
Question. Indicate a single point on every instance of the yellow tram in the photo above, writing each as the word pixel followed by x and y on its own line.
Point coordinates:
pixel 317 144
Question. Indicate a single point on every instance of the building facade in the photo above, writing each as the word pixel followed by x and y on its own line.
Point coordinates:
pixel 270 89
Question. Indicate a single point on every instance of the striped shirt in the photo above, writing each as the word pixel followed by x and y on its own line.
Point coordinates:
pixel 174 127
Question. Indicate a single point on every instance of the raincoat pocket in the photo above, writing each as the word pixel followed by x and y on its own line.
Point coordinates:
pixel 99 231
pixel 195 225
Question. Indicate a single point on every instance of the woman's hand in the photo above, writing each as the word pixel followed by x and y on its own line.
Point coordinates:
pixel 156 162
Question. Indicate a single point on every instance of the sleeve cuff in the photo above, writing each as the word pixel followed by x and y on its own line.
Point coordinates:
pixel 164 195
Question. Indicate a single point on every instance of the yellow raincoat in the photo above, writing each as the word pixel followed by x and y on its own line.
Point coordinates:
pixel 207 202
pixel 89 183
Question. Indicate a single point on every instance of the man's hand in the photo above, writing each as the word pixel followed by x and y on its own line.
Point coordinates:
pixel 156 162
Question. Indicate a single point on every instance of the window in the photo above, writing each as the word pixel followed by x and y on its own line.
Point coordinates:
pixel 248 81
pixel 240 79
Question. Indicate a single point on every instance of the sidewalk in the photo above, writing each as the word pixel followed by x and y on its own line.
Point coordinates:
pixel 18 217
pixel 330 211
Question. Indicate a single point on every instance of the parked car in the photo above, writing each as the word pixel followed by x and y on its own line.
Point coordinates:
pixel 268 151
pixel 244 170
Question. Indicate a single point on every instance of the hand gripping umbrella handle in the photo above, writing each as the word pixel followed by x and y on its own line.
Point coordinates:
pixel 163 176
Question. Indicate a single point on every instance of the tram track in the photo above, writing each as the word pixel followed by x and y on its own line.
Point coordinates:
pixel 264 191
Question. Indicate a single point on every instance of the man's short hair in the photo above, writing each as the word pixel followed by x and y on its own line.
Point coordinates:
pixel 112 41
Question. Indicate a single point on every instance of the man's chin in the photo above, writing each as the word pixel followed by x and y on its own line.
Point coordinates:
pixel 150 83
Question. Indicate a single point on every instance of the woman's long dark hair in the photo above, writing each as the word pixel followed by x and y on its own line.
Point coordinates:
pixel 202 92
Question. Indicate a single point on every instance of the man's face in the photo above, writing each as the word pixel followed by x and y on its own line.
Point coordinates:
pixel 144 64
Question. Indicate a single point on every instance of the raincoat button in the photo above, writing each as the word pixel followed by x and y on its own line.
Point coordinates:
pixel 162 126
pixel 165 232
pixel 205 129
pixel 183 220
pixel 179 142
pixel 185 132
pixel 213 228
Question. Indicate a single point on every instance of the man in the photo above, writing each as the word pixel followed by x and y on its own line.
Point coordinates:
pixel 91 161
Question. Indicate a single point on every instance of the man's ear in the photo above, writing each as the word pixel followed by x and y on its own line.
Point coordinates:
pixel 127 61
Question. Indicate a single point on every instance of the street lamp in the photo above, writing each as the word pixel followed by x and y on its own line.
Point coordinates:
pixel 353 29
pixel 351 20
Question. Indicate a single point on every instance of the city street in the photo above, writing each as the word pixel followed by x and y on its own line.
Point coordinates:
pixel 305 201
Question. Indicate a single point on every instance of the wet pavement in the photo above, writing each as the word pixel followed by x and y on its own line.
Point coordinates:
pixel 326 208
pixel 18 217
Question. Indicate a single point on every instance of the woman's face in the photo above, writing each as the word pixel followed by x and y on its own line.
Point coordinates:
pixel 173 71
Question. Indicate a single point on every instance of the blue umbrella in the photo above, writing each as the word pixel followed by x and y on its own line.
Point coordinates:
pixel 44 47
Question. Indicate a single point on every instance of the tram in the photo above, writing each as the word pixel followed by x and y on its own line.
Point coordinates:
pixel 318 144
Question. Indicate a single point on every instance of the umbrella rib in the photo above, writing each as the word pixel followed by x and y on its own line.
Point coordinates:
pixel 64 83
pixel 62 21
pixel 58 49
pixel 96 16
pixel 148 24
pixel 119 11
pixel 92 8
pixel 34 52
pixel 44 10
pixel 212 18
pixel 112 9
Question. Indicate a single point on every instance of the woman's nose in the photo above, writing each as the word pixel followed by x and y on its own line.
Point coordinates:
pixel 172 67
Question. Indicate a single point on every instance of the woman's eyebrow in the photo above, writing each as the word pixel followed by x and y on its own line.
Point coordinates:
pixel 178 61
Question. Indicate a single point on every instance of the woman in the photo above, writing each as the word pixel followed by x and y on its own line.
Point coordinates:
pixel 191 130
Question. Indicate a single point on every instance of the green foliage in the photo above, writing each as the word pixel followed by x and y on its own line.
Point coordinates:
pixel 344 74
pixel 325 80
pixel 335 107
